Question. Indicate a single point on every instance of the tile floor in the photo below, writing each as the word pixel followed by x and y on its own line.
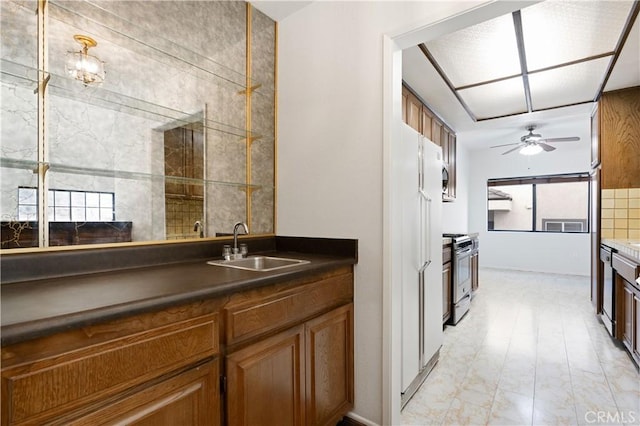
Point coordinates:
pixel 529 352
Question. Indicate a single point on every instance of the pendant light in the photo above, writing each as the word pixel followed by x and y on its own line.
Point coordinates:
pixel 83 66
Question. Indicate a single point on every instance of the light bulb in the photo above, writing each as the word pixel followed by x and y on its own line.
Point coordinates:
pixel 531 149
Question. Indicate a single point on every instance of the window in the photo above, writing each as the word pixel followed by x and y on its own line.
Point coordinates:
pixel 564 225
pixel 556 203
pixel 68 206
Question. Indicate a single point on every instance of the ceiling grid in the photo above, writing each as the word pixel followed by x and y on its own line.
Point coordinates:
pixel 549 55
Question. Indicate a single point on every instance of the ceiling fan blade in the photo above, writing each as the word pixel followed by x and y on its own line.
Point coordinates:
pixel 546 147
pixel 570 139
pixel 506 144
pixel 512 149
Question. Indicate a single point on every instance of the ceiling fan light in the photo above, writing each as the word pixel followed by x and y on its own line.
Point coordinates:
pixel 531 149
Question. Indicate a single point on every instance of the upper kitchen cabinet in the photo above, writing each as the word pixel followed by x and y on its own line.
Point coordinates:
pixel 171 123
pixel 418 116
pixel 619 138
pixel 414 111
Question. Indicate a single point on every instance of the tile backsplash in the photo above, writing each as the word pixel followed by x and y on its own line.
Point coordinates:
pixel 620 213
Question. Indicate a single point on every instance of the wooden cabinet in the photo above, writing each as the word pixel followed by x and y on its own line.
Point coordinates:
pixel 631 324
pixel 619 138
pixel 427 122
pixel 188 398
pixel 417 115
pixel 446 283
pixel 303 374
pixel 450 193
pixel 284 351
pixel 265 381
pixel 184 161
pixel 436 132
pixel 475 274
pixel 329 366
pixel 636 327
pixel 627 323
pixel 414 112
pixel 144 368
pixel 628 305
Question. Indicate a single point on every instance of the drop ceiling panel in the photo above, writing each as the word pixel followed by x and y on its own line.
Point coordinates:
pixel 482 52
pixel 567 85
pixel 626 73
pixel 557 32
pixel 502 98
pixel 472 62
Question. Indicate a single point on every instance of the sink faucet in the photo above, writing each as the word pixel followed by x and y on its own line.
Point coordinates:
pixel 236 250
pixel 198 226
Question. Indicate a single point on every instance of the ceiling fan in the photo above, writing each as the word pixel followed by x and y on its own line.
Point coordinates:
pixel 534 143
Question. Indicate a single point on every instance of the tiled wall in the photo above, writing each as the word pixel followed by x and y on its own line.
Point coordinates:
pixel 181 215
pixel 620 214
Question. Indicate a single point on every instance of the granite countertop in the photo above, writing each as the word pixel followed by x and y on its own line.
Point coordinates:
pixel 631 248
pixel 40 307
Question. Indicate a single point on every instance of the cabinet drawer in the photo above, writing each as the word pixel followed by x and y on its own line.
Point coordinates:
pixel 48 387
pixel 170 402
pixel 626 268
pixel 446 254
pixel 261 315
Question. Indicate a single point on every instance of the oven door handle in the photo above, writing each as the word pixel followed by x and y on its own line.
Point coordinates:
pixel 464 253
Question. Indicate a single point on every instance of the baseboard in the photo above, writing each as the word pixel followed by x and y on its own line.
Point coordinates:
pixel 352 419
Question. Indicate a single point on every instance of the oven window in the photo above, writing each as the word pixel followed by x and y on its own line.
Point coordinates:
pixel 463 270
pixel 541 204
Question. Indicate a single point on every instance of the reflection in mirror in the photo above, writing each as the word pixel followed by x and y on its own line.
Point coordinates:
pixel 140 143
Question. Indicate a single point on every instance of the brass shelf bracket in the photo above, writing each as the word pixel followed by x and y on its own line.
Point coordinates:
pixel 250 90
pixel 42 86
pixel 252 139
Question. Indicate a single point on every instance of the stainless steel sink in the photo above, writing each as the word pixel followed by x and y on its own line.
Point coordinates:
pixel 259 263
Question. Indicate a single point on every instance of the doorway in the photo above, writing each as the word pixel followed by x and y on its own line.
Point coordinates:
pixel 184 182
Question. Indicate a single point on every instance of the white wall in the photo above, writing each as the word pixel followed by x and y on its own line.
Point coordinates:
pixel 455 216
pixel 338 116
pixel 540 252
pixel 330 148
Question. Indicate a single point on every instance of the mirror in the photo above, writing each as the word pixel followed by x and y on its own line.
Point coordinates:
pixel 180 131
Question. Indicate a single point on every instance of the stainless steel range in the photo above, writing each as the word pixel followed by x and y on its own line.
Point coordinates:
pixel 461 291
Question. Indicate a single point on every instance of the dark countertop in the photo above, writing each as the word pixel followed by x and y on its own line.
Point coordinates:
pixel 41 307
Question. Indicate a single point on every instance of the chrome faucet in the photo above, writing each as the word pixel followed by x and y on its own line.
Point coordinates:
pixel 198 226
pixel 236 250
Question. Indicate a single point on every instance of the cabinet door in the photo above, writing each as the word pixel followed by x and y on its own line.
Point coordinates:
pixel 189 398
pixel 635 317
pixel 427 119
pixel 174 161
pixel 405 98
pixel 195 162
pixel 627 333
pixel 414 112
pixel 329 366
pixel 265 381
pixel 452 166
pixel 436 132
pixel 446 292
pixel 444 143
pixel 475 282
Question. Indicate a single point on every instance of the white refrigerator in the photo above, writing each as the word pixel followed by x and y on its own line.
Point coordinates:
pixel 421 194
